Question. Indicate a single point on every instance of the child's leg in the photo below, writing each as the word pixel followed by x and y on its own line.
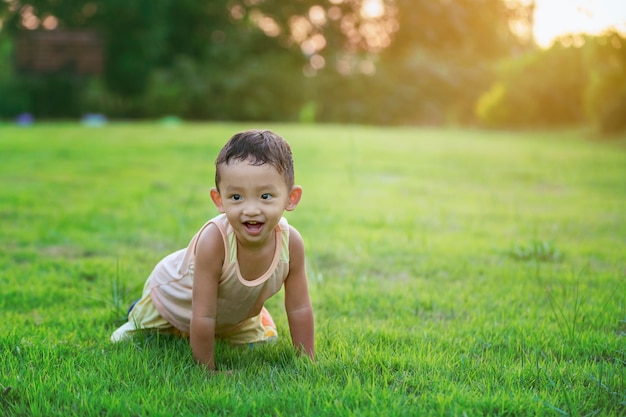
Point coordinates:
pixel 142 315
pixel 260 328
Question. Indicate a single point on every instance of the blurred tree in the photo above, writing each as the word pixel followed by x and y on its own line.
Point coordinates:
pixel 398 61
pixel 605 95
pixel 471 29
pixel 376 61
pixel 540 88
pixel 443 53
pixel 136 39
pixel 578 79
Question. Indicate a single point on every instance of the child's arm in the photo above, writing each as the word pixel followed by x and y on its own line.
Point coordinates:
pixel 297 300
pixel 208 267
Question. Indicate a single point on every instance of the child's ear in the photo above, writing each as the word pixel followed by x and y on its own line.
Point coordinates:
pixel 294 198
pixel 217 199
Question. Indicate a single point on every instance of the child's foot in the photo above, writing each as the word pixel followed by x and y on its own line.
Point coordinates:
pixel 124 332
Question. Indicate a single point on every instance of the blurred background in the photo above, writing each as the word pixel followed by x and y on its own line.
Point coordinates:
pixel 492 63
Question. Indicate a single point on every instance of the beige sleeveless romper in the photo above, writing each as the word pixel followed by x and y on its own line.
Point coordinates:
pixel 241 318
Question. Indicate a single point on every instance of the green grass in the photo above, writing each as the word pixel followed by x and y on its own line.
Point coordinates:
pixel 453 272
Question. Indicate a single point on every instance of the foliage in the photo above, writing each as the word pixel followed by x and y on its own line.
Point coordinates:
pixel 444 27
pixel 540 88
pixel 135 36
pixel 578 79
pixel 435 74
pixel 9 84
pixel 426 88
pixel 606 91
pixel 266 60
pixel 422 307
pixel 250 92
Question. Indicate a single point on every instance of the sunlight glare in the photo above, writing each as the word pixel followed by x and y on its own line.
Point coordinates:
pixel 317 15
pixel 300 28
pixel 555 18
pixel 371 9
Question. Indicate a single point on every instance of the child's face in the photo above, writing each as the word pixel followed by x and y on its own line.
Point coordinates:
pixel 254 198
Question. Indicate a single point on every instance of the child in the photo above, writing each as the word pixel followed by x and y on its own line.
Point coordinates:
pixel 216 287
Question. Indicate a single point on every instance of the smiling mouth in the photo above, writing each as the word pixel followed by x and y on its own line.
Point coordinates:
pixel 253 227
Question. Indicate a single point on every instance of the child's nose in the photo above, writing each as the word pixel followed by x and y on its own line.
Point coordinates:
pixel 252 209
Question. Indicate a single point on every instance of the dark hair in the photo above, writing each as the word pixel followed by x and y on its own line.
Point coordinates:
pixel 260 147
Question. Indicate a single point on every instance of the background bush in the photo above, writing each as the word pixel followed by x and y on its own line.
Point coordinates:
pixel 10 85
pixel 605 96
pixel 541 88
pixel 218 60
pixel 577 80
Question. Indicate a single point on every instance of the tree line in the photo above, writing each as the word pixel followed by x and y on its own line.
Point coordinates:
pixel 341 61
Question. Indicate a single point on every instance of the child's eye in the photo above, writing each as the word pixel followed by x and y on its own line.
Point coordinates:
pixel 266 196
pixel 235 197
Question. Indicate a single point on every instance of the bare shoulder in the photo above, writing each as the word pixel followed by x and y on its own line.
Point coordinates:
pixel 296 251
pixel 210 246
pixel 296 243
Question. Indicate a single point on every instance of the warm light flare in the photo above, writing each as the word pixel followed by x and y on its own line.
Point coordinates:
pixel 50 22
pixel 555 18
pixel 29 20
pixel 371 9
pixel 317 15
pixel 265 23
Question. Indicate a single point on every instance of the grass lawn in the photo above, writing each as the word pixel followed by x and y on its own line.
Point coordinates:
pixel 452 272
